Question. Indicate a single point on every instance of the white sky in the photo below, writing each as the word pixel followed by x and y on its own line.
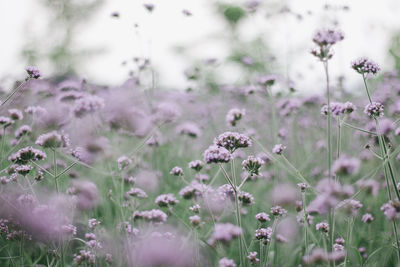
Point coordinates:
pixel 367 27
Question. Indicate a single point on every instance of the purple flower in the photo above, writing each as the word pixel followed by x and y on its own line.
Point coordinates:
pixel 177 171
pixel 87 104
pixel 346 165
pixel 123 162
pixel 278 149
pixel 232 141
pixel 374 109
pixel 225 233
pixel 278 211
pixel 367 218
pixel 234 115
pixel 252 165
pixel 365 66
pixel 263 234
pixel 225 262
pixel 33 72
pixel 327 37
pixel 154 215
pixel 217 154
pixel 149 7
pixel 262 217
pixel 189 128
pixel 252 257
pixel 166 200
pixel 52 140
pixel 322 226
pixel 196 165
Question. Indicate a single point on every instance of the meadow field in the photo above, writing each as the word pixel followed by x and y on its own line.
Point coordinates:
pixel 252 173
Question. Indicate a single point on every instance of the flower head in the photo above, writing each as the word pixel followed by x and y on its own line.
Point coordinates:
pixel 33 72
pixel 374 109
pixel 365 66
pixel 232 141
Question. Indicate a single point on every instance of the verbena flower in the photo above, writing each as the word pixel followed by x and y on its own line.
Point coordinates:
pixel 224 233
pixel 252 257
pixel 327 37
pixel 15 114
pixel 232 141
pixel 87 104
pixel 278 149
pixel 252 165
pixel 177 171
pixel 234 116
pixel 365 66
pixel 262 217
pixel 123 162
pixel 322 226
pixel 52 140
pixel 225 262
pixel 24 155
pixel 367 218
pixel 374 109
pixel 346 165
pixel 217 154
pixel 278 211
pixel 166 200
pixel 154 215
pixel 263 234
pixel 196 165
pixel 33 72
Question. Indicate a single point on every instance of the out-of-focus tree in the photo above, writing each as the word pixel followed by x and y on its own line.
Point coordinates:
pixel 56 48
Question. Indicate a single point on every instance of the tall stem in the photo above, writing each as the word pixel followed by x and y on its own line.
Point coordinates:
pixel 55 169
pixel 13 92
pixel 238 215
pixel 328 98
pixel 382 145
pixel 305 223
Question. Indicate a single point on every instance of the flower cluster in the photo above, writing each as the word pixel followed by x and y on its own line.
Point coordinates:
pixel 154 215
pixel 365 66
pixel 224 233
pixel 217 154
pixel 374 109
pixel 264 234
pixel 232 141
pixel 234 115
pixel 166 200
pixel 252 165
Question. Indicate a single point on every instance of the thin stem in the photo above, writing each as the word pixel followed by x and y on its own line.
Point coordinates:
pixel 15 91
pixel 358 129
pixel 339 136
pixel 384 152
pixel 55 169
pixel 328 119
pixel 305 223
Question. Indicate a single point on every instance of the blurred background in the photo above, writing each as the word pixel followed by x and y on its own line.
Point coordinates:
pixel 108 41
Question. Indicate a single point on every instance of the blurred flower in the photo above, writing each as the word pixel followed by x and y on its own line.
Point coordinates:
pixel 374 109
pixel 33 72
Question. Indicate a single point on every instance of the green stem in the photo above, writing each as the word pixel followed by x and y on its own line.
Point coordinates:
pixel 15 91
pixel 382 145
pixel 305 223
pixel 55 169
pixel 328 119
